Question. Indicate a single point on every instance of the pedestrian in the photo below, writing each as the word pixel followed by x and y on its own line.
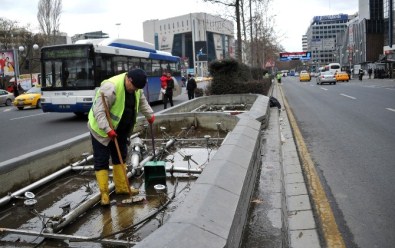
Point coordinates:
pixel 370 73
pixel 163 85
pixel 125 98
pixel 168 96
pixel 191 86
pixel 360 74
pixel 15 89
pixel 183 81
pixel 279 77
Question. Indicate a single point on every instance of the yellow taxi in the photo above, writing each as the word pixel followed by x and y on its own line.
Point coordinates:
pixel 341 76
pixel 31 98
pixel 304 76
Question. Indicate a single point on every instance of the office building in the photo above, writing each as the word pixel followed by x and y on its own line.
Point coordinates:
pixel 197 38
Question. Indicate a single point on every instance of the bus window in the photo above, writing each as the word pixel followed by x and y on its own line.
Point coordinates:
pixel 156 68
pixel 147 66
pixel 120 64
pixel 134 63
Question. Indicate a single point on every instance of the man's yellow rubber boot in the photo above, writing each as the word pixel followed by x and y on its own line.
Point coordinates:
pixel 102 181
pixel 119 177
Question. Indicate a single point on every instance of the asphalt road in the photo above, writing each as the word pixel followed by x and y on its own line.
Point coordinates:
pixel 24 131
pixel 349 129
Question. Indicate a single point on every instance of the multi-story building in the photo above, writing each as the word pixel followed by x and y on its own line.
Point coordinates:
pixel 304 43
pixel 197 38
pixel 322 38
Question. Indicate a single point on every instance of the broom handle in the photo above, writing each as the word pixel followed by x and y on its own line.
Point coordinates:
pixel 115 141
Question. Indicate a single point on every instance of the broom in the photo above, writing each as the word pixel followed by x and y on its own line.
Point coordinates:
pixel 115 141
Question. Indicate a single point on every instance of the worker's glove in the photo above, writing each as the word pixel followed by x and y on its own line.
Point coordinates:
pixel 112 134
pixel 151 120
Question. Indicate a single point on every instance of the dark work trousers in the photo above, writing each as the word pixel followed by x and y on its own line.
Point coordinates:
pixel 102 153
pixel 168 97
pixel 191 94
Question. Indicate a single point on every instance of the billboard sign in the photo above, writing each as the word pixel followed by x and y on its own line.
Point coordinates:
pixel 288 56
pixel 7 63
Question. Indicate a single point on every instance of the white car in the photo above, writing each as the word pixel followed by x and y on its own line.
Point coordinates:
pixel 326 77
pixel 6 97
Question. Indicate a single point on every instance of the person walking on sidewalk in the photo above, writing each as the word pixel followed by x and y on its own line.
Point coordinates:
pixel 168 96
pixel 125 98
pixel 191 86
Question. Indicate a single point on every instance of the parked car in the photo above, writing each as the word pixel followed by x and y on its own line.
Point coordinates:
pixel 31 98
pixel 342 76
pixel 304 76
pixel 6 97
pixel 326 77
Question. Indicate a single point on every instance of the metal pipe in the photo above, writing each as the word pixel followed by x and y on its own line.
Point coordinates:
pixel 82 208
pixel 191 140
pixel 169 169
pixel 183 170
pixel 43 181
pixel 71 238
pixel 85 206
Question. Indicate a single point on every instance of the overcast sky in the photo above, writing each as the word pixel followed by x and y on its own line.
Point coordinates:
pixel 292 17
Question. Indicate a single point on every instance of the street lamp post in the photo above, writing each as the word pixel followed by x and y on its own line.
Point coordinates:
pixel 30 59
pixel 118 24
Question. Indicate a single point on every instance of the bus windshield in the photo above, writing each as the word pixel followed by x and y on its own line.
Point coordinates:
pixel 67 72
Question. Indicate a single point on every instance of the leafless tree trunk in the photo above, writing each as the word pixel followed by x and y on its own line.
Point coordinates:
pixel 48 16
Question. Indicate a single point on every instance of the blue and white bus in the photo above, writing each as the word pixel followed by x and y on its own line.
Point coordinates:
pixel 72 73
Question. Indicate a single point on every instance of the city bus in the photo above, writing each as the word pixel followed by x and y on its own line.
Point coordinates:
pixel 71 74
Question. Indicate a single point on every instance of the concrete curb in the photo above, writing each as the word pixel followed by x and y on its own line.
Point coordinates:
pixel 302 230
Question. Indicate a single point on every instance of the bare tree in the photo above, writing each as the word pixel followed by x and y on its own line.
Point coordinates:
pixel 7 31
pixel 235 4
pixel 48 16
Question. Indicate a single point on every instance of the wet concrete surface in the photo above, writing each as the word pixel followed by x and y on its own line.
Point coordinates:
pixel 119 220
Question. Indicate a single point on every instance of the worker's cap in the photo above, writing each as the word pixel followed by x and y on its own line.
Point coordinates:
pixel 138 78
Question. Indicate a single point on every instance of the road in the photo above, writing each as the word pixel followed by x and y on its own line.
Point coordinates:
pixel 24 131
pixel 350 133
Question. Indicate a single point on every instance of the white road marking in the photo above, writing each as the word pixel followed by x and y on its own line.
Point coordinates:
pixel 390 109
pixel 323 88
pixel 27 116
pixel 351 97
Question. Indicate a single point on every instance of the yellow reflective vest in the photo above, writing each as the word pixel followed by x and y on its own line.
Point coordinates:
pixel 116 110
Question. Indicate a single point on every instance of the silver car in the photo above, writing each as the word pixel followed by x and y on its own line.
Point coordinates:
pixel 326 77
pixel 6 97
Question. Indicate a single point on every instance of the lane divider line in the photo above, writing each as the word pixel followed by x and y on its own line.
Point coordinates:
pixel 323 211
pixel 351 97
pixel 323 88
pixel 13 119
pixel 390 109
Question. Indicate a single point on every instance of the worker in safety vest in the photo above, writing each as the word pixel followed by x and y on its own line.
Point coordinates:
pixel 279 75
pixel 125 99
